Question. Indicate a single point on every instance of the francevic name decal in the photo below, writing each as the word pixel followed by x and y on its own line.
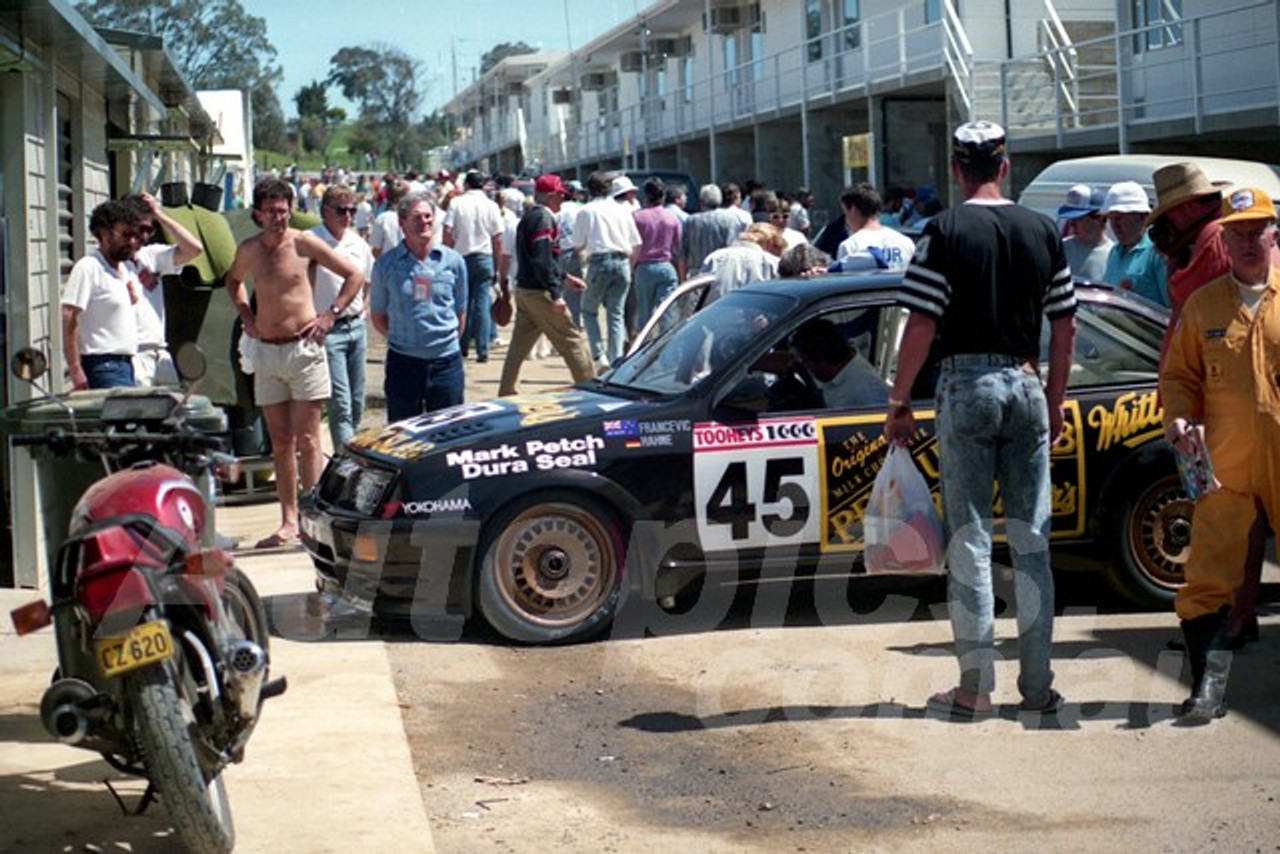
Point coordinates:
pixel 647 434
pixel 535 454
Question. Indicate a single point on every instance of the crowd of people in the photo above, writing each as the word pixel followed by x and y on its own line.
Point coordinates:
pixel 424 262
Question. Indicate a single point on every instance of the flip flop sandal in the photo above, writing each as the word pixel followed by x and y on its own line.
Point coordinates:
pixel 946 705
pixel 275 541
pixel 1051 706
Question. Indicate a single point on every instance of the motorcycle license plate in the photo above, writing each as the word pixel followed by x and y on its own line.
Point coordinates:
pixel 145 644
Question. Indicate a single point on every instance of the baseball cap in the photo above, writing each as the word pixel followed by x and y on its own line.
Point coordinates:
pixel 978 141
pixel 1081 201
pixel 1246 204
pixel 1126 197
pixel 550 183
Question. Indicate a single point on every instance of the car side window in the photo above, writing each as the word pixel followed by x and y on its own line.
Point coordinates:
pixel 829 362
pixel 1113 345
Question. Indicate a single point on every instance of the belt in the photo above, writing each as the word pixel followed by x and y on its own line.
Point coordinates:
pixel 346 320
pixel 986 360
pixel 608 255
pixel 287 339
pixel 150 348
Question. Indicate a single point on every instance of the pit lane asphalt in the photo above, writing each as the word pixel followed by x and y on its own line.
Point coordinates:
pixel 331 769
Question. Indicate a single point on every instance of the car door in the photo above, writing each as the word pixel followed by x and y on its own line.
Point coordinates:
pixel 776 466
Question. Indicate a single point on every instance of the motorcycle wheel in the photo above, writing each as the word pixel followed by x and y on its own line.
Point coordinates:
pixel 245 608
pixel 196 803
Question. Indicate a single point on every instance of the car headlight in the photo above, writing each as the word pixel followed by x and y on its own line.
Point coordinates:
pixel 368 488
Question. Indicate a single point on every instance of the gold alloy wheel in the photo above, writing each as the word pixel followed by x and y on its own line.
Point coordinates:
pixel 555 564
pixel 1160 532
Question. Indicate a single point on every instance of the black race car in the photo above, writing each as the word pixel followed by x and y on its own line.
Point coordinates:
pixel 710 454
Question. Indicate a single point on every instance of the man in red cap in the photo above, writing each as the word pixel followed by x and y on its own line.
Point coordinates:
pixel 540 283
pixel 1222 370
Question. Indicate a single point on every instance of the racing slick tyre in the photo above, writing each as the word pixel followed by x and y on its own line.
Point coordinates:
pixel 196 803
pixel 551 569
pixel 1152 533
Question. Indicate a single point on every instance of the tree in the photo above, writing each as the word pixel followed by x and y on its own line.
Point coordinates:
pixel 316 119
pixel 215 43
pixel 500 52
pixel 385 82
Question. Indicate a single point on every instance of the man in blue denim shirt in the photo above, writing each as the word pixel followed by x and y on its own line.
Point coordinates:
pixel 983 276
pixel 418 300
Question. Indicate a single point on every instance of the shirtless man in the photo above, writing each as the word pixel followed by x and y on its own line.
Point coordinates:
pixel 291 377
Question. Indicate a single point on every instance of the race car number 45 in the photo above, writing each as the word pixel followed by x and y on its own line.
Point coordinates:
pixel 757 489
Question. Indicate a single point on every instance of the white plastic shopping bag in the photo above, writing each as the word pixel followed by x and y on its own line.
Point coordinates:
pixel 901 529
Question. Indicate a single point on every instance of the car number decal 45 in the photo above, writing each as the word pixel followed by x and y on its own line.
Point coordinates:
pixel 756 484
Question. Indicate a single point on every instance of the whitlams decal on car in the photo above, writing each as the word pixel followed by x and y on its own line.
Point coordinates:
pixel 1133 419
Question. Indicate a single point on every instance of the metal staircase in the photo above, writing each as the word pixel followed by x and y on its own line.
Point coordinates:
pixel 1069 84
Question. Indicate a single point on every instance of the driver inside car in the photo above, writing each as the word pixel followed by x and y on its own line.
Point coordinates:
pixel 844 378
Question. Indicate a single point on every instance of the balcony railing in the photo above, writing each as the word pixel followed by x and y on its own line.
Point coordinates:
pixel 895 46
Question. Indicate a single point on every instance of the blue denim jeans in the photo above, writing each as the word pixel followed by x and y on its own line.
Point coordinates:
pixel 107 371
pixel 570 264
pixel 655 280
pixel 608 280
pixel 479 303
pixel 345 347
pixel 414 386
pixel 993 424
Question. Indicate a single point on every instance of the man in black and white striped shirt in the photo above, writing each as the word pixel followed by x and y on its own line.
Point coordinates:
pixel 984 276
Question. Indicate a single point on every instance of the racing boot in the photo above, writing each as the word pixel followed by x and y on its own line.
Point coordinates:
pixel 1209 652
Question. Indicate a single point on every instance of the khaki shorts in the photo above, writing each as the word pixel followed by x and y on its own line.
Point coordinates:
pixel 298 370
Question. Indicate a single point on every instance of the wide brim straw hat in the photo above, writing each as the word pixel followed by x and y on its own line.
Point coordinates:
pixel 1178 183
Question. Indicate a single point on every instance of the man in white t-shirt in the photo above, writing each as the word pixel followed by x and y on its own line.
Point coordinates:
pixel 153 364
pixel 386 234
pixel 605 232
pixel 363 222
pixel 473 228
pixel 347 342
pixel 100 314
pixel 870 245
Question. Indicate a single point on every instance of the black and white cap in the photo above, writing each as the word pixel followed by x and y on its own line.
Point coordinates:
pixel 980 140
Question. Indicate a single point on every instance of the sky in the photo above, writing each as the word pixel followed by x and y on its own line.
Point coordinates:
pixel 308 33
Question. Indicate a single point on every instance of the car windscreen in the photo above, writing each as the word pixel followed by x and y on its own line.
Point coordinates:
pixel 703 344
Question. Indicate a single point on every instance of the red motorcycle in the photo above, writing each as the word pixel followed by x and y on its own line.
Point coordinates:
pixel 162 643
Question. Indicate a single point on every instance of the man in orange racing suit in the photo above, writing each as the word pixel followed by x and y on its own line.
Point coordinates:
pixel 1222 370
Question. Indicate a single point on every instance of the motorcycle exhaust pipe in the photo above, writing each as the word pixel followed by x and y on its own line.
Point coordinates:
pixel 247 667
pixel 64 711
pixel 69 724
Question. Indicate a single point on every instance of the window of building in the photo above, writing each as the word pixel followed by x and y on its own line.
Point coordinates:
pixel 933 10
pixel 685 70
pixel 755 42
pixel 813 28
pixel 1158 24
pixel 730 54
pixel 851 33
